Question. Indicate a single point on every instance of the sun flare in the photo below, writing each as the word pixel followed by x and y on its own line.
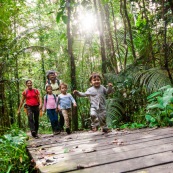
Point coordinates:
pixel 86 21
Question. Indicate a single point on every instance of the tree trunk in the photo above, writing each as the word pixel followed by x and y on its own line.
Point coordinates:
pixel 149 37
pixel 111 43
pixel 17 73
pixel 166 64
pixel 130 31
pixel 101 35
pixel 125 35
pixel 72 65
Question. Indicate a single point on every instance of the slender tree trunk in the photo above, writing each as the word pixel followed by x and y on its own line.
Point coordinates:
pixel 149 36
pixel 115 32
pixel 18 90
pixel 125 35
pixel 42 44
pixel 100 29
pixel 111 43
pixel 17 73
pixel 130 31
pixel 166 64
pixel 72 64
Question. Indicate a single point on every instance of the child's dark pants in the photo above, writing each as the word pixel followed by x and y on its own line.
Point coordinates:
pixel 53 116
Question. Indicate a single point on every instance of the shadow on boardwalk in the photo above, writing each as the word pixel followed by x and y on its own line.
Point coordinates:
pixel 141 151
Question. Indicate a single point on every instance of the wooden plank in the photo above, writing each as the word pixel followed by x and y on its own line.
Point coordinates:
pixel 163 168
pixel 101 145
pixel 75 139
pixel 115 155
pixel 69 153
pixel 119 166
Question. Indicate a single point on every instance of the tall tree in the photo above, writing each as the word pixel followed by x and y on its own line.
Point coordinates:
pixel 72 61
pixel 100 21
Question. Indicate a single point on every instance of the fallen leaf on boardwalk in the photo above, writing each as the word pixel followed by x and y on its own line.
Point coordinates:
pixel 41 157
pixel 80 167
pixel 89 150
pixel 44 162
pixel 55 157
pixel 66 150
pixel 42 149
pixel 115 141
pixel 69 138
pixel 48 160
pixel 75 147
pixel 118 142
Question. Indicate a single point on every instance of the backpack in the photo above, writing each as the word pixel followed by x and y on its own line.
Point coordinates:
pixel 47 97
pixel 57 80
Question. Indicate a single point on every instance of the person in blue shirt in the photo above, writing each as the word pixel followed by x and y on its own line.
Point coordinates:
pixel 64 104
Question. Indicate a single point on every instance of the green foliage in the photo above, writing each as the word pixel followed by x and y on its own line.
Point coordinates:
pixel 132 126
pixel 160 107
pixel 128 100
pixel 45 125
pixel 13 154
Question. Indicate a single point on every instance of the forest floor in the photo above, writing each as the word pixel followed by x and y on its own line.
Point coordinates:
pixel 147 150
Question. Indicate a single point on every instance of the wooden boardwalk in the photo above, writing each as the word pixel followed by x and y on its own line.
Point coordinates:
pixel 140 151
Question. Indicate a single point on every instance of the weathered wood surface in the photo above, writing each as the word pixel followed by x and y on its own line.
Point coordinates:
pixel 141 151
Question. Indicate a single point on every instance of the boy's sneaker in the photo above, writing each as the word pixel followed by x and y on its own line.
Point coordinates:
pixel 106 130
pixel 36 136
pixel 56 133
pixel 33 134
pixel 68 131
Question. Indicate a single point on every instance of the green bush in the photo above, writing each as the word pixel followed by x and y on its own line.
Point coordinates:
pixel 13 154
pixel 160 107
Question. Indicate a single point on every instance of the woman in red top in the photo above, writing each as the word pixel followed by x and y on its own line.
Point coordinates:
pixel 34 104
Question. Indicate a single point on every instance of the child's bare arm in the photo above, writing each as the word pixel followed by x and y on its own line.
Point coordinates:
pixel 80 94
pixel 75 92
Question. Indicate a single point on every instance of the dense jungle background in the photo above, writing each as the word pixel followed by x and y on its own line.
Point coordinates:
pixel 130 42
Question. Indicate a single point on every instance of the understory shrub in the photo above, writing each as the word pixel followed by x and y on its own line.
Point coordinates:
pixel 13 154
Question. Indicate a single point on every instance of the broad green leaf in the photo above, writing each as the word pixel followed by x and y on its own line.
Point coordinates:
pixel 152 106
pixel 153 124
pixel 65 19
pixel 152 99
pixel 166 100
pixel 149 118
pixel 58 16
pixel 153 95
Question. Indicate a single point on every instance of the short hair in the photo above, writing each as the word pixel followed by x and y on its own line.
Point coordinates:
pixel 63 84
pixel 94 75
pixel 28 81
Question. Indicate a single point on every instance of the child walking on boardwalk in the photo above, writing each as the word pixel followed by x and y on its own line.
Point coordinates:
pixel 50 105
pixel 97 94
pixel 64 103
